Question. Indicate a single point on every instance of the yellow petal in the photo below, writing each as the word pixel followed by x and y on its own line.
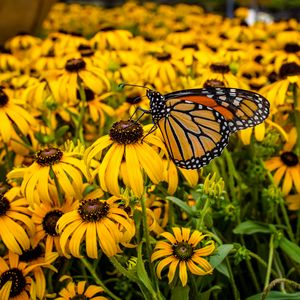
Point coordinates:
pixel 183 273
pixel 287 183
pixel 278 174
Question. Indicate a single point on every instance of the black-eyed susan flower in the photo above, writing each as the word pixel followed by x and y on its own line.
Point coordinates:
pixel 163 69
pixel 37 256
pixel 182 253
pixel 45 217
pixel 172 176
pixel 126 141
pixel 278 92
pixel 293 202
pixel 17 280
pixel 52 166
pixel 286 166
pixel 15 222
pixel 94 222
pixel 220 72
pixel 97 108
pixel 65 83
pixel 80 290
pixel 13 116
pixel 111 38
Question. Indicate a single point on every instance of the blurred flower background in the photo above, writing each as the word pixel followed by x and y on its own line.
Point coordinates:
pixel 92 206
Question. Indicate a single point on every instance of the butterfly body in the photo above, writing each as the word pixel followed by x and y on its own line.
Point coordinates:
pixel 196 123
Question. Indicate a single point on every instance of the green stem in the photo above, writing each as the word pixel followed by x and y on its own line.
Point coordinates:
pixel 287 221
pixel 253 275
pixel 97 279
pixel 122 270
pixel 10 163
pixel 147 240
pixel 236 294
pixel 278 281
pixel 297 117
pixel 231 173
pixel 262 262
pixel 204 210
pixel 79 124
pixel 270 261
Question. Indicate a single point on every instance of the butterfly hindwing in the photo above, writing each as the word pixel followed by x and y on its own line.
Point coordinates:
pixel 194 134
pixel 241 108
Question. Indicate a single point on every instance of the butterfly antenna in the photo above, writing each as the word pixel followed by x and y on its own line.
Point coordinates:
pixel 122 85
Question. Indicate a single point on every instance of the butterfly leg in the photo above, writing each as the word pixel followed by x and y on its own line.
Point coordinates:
pixel 153 128
pixel 144 111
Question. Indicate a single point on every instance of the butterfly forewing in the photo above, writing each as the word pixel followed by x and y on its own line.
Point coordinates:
pixel 194 133
pixel 241 108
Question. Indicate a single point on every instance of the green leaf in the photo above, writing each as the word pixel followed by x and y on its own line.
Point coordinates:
pixel 276 295
pixel 182 205
pixel 180 293
pixel 250 227
pixel 142 273
pixel 207 294
pixel 290 249
pixel 217 260
pixel 61 131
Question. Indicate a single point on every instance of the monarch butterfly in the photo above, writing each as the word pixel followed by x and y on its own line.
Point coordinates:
pixel 196 123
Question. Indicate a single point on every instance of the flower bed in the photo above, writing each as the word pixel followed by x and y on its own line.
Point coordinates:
pixel 92 203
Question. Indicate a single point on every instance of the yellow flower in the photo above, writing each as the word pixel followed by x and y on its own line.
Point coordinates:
pixel 16 281
pixel 51 166
pixel 163 69
pixel 15 221
pixel 97 108
pixel 220 72
pixel 110 38
pixel 286 166
pixel 182 251
pixel 80 290
pixel 12 114
pixel 293 201
pixel 45 217
pixel 8 62
pixel 278 92
pixel 95 221
pixel 125 143
pixel 65 83
pixel 172 176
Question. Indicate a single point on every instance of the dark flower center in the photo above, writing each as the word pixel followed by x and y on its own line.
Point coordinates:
pixel 133 99
pixel 183 250
pixel 89 95
pixel 75 64
pixel 213 83
pixel 190 46
pixel 163 56
pixel 220 68
pixel 18 281
pixel 107 28
pixel 3 98
pixel 50 220
pixel 184 29
pixel 272 77
pixel 4 205
pixel 289 69
pixel 31 254
pixel 255 86
pixel 48 157
pixel 79 297
pixel 85 50
pixel 126 132
pixel 291 48
pixel 290 159
pixel 93 210
pixel 258 58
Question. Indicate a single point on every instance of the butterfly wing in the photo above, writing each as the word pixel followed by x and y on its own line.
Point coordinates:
pixel 241 108
pixel 194 134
